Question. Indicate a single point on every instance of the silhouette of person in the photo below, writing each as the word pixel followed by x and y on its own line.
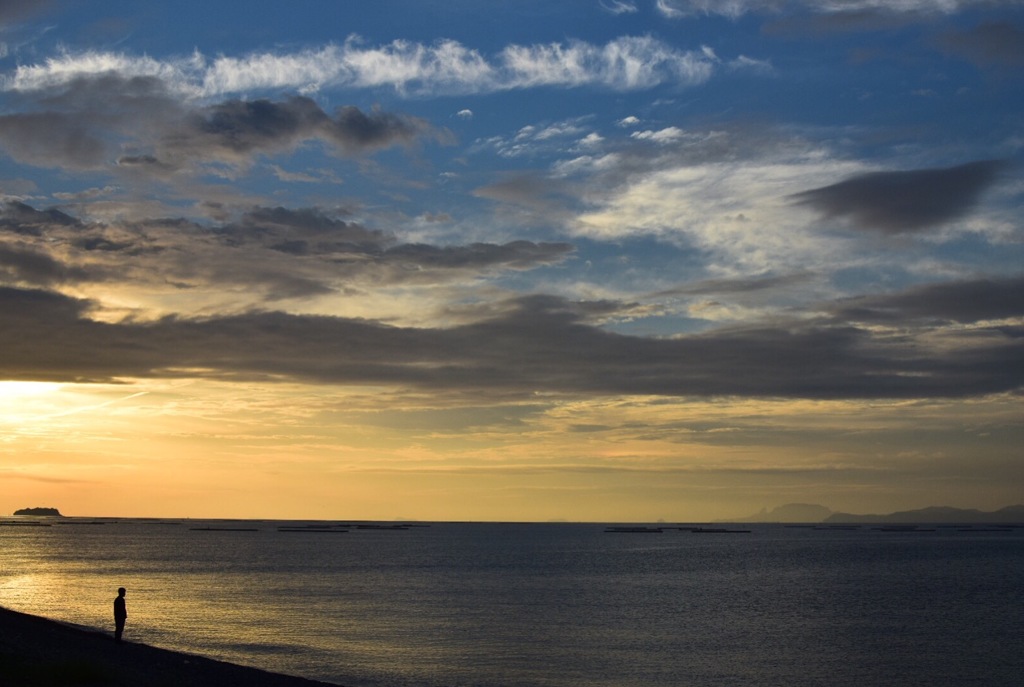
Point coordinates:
pixel 120 614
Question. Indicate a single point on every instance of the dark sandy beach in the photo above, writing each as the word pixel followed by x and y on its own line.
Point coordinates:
pixel 35 652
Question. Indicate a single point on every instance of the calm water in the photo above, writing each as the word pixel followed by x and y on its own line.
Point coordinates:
pixel 545 605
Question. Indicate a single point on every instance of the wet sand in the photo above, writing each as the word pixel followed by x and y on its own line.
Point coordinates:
pixel 36 652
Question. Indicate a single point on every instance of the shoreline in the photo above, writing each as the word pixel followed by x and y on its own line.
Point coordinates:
pixel 39 652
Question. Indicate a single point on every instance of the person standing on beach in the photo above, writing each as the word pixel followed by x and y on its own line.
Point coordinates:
pixel 120 614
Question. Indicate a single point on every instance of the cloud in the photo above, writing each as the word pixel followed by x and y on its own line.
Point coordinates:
pixel 624 63
pixel 535 344
pixel 51 139
pixel 113 121
pixel 750 64
pixel 542 138
pixel 667 135
pixel 261 254
pixel 77 124
pixel 740 285
pixel 546 198
pixel 988 44
pixel 270 226
pixel 962 302
pixel 627 63
pixel 87 194
pixel 69 68
pixel 722 194
pixel 354 130
pixel 906 201
pixel 235 130
pixel 20 218
pixel 22 265
pixel 618 6
pixel 681 9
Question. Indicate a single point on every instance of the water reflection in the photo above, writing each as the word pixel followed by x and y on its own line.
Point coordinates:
pixel 541 605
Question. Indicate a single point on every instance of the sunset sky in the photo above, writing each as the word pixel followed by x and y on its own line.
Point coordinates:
pixel 601 260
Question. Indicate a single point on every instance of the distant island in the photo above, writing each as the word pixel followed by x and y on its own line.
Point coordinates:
pixel 791 512
pixel 37 511
pixel 936 515
pixel 813 513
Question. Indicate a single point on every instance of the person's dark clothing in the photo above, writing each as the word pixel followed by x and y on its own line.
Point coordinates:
pixel 120 616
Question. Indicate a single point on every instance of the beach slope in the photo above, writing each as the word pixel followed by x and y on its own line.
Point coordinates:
pixel 35 652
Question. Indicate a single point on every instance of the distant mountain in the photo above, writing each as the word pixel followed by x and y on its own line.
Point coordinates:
pixel 812 513
pixel 791 512
pixel 936 514
pixel 37 511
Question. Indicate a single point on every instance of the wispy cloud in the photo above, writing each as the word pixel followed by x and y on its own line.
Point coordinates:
pixel 619 6
pixel 719 192
pixel 678 9
pixel 625 63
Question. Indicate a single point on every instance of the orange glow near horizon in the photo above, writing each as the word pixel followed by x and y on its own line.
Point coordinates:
pixel 206 449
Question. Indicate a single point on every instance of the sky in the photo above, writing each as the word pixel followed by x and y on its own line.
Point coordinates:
pixel 598 260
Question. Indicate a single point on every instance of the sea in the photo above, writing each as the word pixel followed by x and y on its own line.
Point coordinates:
pixel 543 605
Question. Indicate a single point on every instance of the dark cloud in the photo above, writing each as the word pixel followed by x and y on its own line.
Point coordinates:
pixel 527 311
pixel 20 218
pixel 26 266
pixel 51 139
pixel 28 306
pixel 237 129
pixel 739 285
pixel 31 248
pixel 900 202
pixel 144 162
pixel 538 344
pixel 310 232
pixel 964 302
pixel 117 97
pixel 989 44
pixel 242 125
pixel 356 131
pixel 51 333
pixel 82 123
pixel 275 251
pixel 312 228
pixel 96 121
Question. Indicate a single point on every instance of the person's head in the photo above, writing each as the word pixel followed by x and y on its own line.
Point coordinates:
pixel 121 591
